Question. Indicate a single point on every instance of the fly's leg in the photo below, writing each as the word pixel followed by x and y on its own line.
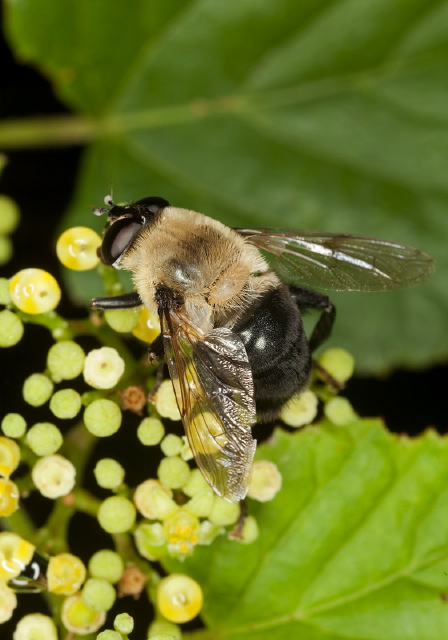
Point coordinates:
pixel 309 299
pixel 237 531
pixel 123 301
pixel 155 355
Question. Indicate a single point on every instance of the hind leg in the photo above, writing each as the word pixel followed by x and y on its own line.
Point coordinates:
pixel 309 299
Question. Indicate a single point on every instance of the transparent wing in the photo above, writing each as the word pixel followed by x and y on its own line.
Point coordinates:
pixel 340 262
pixel 214 390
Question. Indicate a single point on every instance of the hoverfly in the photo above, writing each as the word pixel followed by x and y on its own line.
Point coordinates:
pixel 230 304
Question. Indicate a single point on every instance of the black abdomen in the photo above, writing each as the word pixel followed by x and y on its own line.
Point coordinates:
pixel 278 351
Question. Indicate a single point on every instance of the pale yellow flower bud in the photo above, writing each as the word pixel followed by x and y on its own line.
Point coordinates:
pixel 54 476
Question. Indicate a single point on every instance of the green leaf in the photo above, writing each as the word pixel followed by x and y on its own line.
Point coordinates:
pixel 355 545
pixel 318 114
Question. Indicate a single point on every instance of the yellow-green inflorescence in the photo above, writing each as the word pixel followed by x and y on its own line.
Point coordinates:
pixel 36 626
pixel 168 512
pixel 77 248
pixel 11 328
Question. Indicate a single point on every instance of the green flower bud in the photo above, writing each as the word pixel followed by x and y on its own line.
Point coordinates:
pixel 250 530
pixel 171 445
pixel 36 626
pixel 201 503
pixel 173 472
pixel 65 360
pixel 60 331
pixel 339 363
pixel 109 473
pixel 99 594
pixel 186 452
pixel 13 425
pixel 11 328
pixel 166 403
pixel 150 540
pixel 116 514
pixel 224 513
pixel 108 634
pixel 102 418
pixel 8 602
pixel 195 484
pixel 154 500
pixel 339 411
pixel 164 630
pixel 122 320
pixel 9 214
pixel 266 481
pixel 300 410
pixel 5 296
pixel 150 431
pixel 209 532
pixel 37 389
pixel 65 404
pixel 106 564
pixel 124 623
pixel 79 618
pixel 44 438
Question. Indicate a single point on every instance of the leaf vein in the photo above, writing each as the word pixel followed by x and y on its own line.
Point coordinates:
pixel 293 520
pixel 144 52
pixel 410 567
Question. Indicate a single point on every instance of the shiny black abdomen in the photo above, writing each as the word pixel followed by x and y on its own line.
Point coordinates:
pixel 278 350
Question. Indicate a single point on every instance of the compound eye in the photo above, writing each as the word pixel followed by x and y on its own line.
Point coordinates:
pixel 118 238
pixel 152 204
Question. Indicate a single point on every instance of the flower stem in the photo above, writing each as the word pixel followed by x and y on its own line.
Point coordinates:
pixel 54 131
pixel 19 522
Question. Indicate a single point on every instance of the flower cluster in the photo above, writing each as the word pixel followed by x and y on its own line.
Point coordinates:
pixel 168 514
pixel 179 508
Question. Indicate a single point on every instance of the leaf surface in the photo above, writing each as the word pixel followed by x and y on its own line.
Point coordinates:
pixel 355 545
pixel 318 114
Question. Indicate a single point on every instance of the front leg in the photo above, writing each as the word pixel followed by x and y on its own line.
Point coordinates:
pixel 156 356
pixel 123 301
pixel 155 350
